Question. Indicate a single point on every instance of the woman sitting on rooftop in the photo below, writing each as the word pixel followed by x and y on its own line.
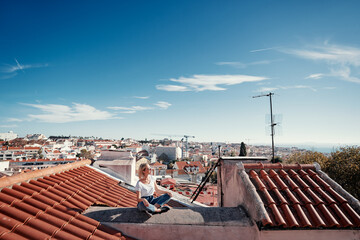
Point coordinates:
pixel 145 189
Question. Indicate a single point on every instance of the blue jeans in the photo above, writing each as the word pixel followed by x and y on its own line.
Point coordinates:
pixel 152 201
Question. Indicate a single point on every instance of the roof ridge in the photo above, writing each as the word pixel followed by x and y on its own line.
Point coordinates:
pixel 261 165
pixel 8 181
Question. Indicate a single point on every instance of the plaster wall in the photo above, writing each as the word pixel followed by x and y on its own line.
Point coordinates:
pixel 186 232
pixel 231 190
pixel 236 189
pixel 310 235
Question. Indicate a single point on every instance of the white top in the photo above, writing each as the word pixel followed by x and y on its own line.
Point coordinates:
pixel 146 189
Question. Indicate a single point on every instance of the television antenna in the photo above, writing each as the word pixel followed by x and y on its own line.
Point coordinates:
pixel 272 124
pixel 277 119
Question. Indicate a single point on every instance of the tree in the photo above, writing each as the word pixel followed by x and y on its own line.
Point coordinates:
pixel 277 159
pixel 307 157
pixel 86 154
pixel 39 154
pixel 242 149
pixel 213 177
pixel 17 142
pixel 344 167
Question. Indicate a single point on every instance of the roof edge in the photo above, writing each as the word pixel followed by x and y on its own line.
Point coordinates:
pixel 354 203
pixel 11 180
pixel 278 166
pixel 260 214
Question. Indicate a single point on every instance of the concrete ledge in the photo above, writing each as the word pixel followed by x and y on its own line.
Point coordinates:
pixel 178 223
pixel 216 216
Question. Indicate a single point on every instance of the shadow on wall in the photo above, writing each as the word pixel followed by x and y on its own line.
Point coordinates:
pixel 193 215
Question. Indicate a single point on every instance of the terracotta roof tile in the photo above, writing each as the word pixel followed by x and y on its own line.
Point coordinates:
pixel 50 207
pixel 296 196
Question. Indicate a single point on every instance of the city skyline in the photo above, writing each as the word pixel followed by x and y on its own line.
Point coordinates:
pixel 142 69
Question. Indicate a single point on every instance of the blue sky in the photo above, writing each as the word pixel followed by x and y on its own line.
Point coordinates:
pixel 141 68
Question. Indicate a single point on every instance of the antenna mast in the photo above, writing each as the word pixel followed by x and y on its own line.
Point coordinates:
pixel 272 122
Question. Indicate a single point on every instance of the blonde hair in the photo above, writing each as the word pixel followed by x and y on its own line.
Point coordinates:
pixel 141 170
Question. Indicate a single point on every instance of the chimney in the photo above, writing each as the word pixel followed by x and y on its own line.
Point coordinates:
pixel 235 187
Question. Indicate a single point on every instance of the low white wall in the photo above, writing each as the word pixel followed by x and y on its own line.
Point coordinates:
pixel 3 165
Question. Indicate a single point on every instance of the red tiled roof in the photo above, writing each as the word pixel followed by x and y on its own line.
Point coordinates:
pixel 14 148
pixel 50 207
pixel 46 160
pixel 157 164
pixel 183 164
pixel 168 181
pixel 32 148
pixel 296 196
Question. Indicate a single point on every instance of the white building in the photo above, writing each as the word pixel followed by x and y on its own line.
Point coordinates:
pixel 8 136
pixel 119 162
pixel 35 136
pixel 173 153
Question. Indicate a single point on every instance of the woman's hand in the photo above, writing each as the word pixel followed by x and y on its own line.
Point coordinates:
pixel 158 191
pixel 146 203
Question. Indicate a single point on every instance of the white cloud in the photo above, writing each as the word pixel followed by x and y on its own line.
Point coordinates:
pixel 299 87
pixel 163 105
pixel 315 76
pixel 333 54
pixel 146 97
pixel 263 49
pixel 53 113
pixel 133 108
pixel 344 72
pixel 267 89
pixel 12 70
pixel 233 64
pixel 128 112
pixel 329 88
pixel 173 88
pixel 8 76
pixel 342 60
pixel 200 83
pixel 14 120
pixel 7 68
pixel 271 89
pixel 244 65
pixel 8 126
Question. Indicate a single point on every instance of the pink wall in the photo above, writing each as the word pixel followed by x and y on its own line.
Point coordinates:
pixel 186 232
pixel 310 234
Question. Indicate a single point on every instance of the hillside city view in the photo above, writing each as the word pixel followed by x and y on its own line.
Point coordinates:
pixel 166 156
pixel 166 120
